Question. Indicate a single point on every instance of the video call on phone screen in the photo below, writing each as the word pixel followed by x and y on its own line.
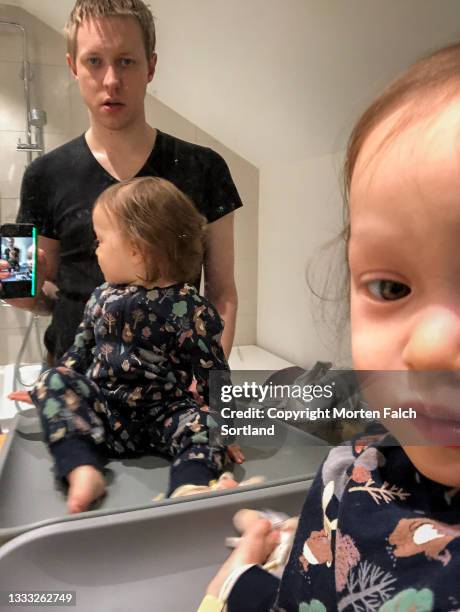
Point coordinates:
pixel 19 254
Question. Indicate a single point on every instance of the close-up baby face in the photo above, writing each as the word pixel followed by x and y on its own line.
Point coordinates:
pixel 405 277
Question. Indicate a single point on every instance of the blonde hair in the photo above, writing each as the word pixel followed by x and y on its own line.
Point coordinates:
pixel 95 9
pixel 163 222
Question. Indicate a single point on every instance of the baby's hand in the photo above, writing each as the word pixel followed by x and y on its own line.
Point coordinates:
pixel 255 547
pixel 196 396
pixel 21 396
pixel 235 453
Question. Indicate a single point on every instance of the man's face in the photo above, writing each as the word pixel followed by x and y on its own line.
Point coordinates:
pixel 112 71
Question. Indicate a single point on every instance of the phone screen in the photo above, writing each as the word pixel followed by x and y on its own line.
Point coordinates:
pixel 18 248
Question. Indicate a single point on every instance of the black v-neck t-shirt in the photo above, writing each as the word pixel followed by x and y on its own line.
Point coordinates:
pixel 57 196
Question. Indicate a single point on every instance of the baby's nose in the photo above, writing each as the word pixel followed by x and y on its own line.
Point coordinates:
pixel 434 341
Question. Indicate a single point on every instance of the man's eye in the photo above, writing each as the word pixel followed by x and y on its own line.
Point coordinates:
pixel 388 290
pixel 94 61
pixel 127 61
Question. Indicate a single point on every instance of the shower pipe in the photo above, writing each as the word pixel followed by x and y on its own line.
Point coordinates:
pixel 29 147
pixel 26 80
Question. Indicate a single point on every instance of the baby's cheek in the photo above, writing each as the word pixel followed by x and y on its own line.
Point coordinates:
pixel 436 463
pixel 374 347
pixel 363 348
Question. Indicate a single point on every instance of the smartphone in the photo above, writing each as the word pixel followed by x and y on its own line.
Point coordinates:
pixel 18 247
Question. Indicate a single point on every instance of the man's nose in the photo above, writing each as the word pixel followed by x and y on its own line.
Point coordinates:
pixel 112 77
pixel 434 340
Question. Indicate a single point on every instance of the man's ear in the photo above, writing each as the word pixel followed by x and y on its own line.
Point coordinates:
pixel 152 66
pixel 72 65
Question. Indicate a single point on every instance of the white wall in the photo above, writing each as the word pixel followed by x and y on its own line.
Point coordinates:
pixel 357 48
pixel 300 213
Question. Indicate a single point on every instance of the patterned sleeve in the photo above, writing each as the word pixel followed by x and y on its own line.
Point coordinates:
pixel 308 581
pixel 79 356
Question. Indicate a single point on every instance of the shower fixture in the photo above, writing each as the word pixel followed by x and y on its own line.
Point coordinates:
pixel 34 118
pixel 35 121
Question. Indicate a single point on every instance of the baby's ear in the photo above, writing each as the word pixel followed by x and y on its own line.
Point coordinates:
pixel 137 254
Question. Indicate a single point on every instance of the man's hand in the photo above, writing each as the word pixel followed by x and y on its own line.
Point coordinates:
pixel 4 269
pixel 32 302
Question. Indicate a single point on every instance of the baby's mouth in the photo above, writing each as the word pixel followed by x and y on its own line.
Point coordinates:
pixel 438 425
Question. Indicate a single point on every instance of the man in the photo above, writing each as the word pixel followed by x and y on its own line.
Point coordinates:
pixel 12 255
pixel 111 53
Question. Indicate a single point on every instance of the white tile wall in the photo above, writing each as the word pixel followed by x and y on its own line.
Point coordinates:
pixel 54 140
pixel 12 112
pixel 38 33
pixel 54 90
pixel 12 318
pixel 8 209
pixel 12 345
pixel 12 163
pixel 10 39
pixel 50 88
pixel 78 111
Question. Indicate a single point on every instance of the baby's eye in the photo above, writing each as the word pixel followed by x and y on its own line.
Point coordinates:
pixel 388 290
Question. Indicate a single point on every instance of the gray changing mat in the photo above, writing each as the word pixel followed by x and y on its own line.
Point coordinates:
pixel 152 560
pixel 29 498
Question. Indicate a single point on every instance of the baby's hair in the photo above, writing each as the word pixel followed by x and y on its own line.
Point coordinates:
pixel 162 222
pixel 95 9
pixel 416 95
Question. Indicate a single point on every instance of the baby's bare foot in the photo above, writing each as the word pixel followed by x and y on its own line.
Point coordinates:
pixel 225 481
pixel 86 485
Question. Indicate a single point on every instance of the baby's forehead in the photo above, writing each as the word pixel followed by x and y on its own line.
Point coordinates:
pixel 408 145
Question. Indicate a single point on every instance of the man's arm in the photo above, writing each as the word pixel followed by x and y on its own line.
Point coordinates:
pixel 47 267
pixel 219 275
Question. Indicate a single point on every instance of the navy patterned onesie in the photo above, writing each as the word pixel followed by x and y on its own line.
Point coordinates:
pixel 122 388
pixel 374 535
